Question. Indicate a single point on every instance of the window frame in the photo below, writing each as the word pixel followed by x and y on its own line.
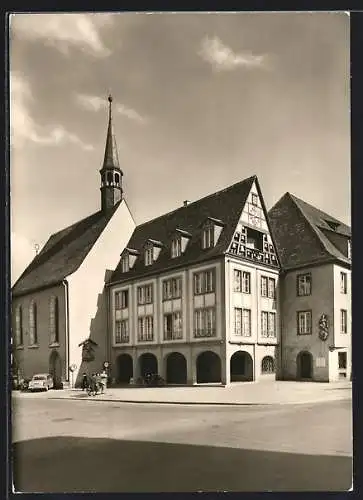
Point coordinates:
pixel 343 321
pixel 33 323
pixel 19 326
pixel 206 281
pixel 241 331
pixel 208 237
pixel 263 367
pixel 143 297
pixel 124 333
pixel 306 312
pixel 298 277
pixel 343 283
pixel 254 199
pixel 206 318
pixel 176 247
pixel 146 332
pixel 54 320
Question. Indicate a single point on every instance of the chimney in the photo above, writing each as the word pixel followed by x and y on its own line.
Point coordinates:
pixel 186 203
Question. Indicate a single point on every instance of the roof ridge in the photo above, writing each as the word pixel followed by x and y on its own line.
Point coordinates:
pixel 197 201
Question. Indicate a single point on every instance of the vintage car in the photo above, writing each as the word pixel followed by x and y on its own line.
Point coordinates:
pixel 41 382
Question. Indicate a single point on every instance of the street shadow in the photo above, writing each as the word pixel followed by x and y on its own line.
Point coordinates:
pixel 70 464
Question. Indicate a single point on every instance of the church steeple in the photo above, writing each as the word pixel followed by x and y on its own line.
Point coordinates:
pixel 111 173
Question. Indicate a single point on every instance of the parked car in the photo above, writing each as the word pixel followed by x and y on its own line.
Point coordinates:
pixel 41 382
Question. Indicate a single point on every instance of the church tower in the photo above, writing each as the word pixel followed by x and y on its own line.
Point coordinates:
pixel 111 173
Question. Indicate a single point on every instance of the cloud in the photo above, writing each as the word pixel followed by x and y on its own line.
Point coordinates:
pixel 95 103
pixel 22 253
pixel 63 31
pixel 24 129
pixel 222 58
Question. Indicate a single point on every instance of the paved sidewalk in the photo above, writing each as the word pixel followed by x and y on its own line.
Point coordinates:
pixel 248 393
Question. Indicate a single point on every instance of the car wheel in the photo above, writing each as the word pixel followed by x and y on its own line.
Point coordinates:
pixel 46 388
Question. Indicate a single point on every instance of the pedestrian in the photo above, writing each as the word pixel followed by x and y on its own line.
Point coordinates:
pixel 104 380
pixel 84 381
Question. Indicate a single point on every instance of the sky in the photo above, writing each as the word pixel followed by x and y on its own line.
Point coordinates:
pixel 200 102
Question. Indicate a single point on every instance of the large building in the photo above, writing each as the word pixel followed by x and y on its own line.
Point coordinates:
pixel 216 291
pixel 195 294
pixel 58 302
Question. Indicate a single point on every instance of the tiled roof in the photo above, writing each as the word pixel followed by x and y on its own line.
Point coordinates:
pixel 302 233
pixel 63 253
pixel 225 206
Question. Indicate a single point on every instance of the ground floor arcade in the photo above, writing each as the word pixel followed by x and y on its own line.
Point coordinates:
pixel 194 364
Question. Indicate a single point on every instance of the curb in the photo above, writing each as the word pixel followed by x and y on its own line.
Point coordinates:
pixel 196 403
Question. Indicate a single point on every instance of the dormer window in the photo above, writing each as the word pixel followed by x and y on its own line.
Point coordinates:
pixel 176 247
pixel 149 258
pixel 179 242
pixel 208 237
pixel 125 264
pixel 128 258
pixel 211 232
pixel 332 224
pixel 151 251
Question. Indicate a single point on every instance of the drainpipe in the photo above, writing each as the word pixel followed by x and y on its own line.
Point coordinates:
pixel 66 312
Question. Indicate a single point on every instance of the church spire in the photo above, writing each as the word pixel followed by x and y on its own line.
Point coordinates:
pixel 111 155
pixel 111 174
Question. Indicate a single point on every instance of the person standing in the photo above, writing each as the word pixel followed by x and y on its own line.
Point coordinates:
pixel 104 378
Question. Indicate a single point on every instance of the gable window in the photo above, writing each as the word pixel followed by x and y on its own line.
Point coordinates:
pixel 176 248
pixel 172 289
pixel 145 294
pixel 145 329
pixel 204 282
pixel 33 334
pixel 19 326
pixel 304 323
pixel 242 322
pixel 303 284
pixel 125 265
pixel 343 282
pixel 122 299
pixel 149 256
pixel 54 320
pixel 208 237
pixel 343 321
pixel 242 281
pixel 254 199
pixel 122 331
pixel 173 326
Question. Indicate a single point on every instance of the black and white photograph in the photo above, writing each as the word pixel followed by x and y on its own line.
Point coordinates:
pixel 180 198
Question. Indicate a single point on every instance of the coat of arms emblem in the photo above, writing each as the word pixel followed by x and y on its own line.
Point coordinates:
pixel 323 327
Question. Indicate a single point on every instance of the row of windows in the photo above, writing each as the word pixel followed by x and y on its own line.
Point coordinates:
pixel 204 282
pixel 304 284
pixel 304 322
pixel 33 323
pixel 243 327
pixel 242 283
pixel 204 325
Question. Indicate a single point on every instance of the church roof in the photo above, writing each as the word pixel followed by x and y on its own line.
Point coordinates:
pixel 305 235
pixel 63 253
pixel 225 206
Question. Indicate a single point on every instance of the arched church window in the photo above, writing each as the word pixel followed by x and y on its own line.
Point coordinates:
pixel 103 177
pixel 109 178
pixel 117 178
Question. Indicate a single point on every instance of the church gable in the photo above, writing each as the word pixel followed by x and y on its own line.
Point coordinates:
pixel 252 239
